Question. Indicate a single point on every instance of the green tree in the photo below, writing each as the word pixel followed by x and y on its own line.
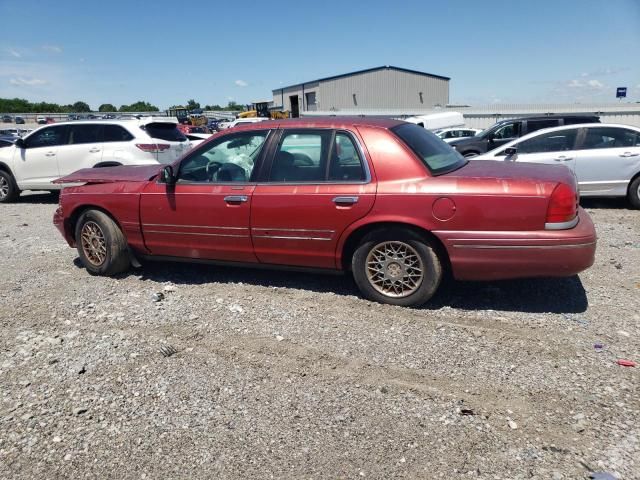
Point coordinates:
pixel 107 107
pixel 139 106
pixel 233 106
pixel 81 107
pixel 213 107
pixel 192 105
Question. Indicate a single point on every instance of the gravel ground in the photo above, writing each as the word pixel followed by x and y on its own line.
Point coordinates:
pixel 287 375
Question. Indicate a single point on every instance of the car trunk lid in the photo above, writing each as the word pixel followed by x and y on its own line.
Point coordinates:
pixel 170 141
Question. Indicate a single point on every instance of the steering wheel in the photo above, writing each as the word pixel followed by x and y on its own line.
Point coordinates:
pixel 212 168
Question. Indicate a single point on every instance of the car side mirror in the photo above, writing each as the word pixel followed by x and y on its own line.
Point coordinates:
pixel 20 143
pixel 511 152
pixel 167 175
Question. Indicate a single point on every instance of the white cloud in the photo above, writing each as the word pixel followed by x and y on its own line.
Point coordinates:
pixel 595 84
pixel 28 82
pixel 241 83
pixel 575 84
pixel 52 48
pixel 13 53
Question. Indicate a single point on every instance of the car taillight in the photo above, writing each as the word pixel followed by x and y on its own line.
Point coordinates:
pixel 153 147
pixel 563 205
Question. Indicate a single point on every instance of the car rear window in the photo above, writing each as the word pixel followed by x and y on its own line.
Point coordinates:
pixel 165 131
pixel 438 156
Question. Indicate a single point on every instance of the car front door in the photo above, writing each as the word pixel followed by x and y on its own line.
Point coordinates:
pixel 607 159
pixel 318 183
pixel 505 134
pixel 552 148
pixel 206 213
pixel 36 165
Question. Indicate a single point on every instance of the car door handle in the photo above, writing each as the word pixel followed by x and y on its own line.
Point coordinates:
pixel 562 158
pixel 236 198
pixel 629 154
pixel 345 200
pixel 50 154
pixel 94 150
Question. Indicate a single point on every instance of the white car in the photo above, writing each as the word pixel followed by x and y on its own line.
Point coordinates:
pixel 59 149
pixel 241 121
pixel 41 119
pixel 604 157
pixel 451 134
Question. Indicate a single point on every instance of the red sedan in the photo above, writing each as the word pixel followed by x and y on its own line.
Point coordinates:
pixel 386 200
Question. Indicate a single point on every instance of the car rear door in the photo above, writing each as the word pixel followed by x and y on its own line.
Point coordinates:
pixel 206 214
pixel 317 184
pixel 36 165
pixel 607 159
pixel 83 148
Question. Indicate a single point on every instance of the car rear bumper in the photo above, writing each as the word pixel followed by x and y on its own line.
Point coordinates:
pixel 58 221
pixel 521 254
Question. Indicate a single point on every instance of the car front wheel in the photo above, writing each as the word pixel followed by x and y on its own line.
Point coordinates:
pixel 101 244
pixel 8 189
pixel 396 266
pixel 634 193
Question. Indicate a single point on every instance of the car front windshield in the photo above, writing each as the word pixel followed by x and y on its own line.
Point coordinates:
pixel 437 155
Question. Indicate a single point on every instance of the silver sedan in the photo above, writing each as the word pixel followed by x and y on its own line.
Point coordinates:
pixel 604 157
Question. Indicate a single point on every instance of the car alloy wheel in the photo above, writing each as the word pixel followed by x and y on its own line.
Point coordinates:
pixel 394 269
pixel 4 188
pixel 94 245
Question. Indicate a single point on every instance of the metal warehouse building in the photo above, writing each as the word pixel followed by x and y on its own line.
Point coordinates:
pixel 375 88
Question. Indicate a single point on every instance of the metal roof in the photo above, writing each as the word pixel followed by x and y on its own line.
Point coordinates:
pixel 367 70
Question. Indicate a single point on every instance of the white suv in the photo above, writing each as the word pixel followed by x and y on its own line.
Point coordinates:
pixel 50 152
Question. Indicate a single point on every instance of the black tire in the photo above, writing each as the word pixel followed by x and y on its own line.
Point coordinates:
pixel 470 154
pixel 418 292
pixel 101 230
pixel 634 193
pixel 9 191
pixel 107 164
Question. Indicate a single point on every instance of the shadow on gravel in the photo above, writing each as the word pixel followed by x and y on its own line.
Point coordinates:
pixel 555 295
pixel 39 197
pixel 618 203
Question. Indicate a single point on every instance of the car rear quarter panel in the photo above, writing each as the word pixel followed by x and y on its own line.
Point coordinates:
pixel 120 200
pixel 480 203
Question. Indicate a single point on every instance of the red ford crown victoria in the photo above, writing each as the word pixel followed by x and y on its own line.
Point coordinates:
pixel 386 200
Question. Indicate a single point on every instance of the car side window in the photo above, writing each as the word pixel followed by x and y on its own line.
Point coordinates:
pixel 301 156
pixel 560 141
pixel 610 137
pixel 346 163
pixel 533 125
pixel 115 133
pixel 89 133
pixel 231 158
pixel 510 130
pixel 48 137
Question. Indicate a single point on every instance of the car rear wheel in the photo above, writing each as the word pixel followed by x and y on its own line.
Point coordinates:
pixel 396 266
pixel 101 244
pixel 8 189
pixel 470 154
pixel 634 193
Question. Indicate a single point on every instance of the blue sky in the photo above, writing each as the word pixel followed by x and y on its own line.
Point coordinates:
pixel 167 52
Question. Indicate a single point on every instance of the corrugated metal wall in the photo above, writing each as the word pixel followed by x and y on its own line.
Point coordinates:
pixel 378 89
pixel 383 89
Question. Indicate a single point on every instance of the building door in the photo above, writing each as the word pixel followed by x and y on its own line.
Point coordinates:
pixel 311 101
pixel 295 109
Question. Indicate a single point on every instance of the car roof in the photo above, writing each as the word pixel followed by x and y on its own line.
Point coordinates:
pixel 325 122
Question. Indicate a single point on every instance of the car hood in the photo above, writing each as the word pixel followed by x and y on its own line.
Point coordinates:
pixel 140 173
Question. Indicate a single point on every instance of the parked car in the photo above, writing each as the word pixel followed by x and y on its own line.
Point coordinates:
pixel 41 119
pixel 7 119
pixel 10 132
pixel 451 134
pixel 34 161
pixel 241 121
pixel 7 141
pixel 19 120
pixel 507 130
pixel 108 116
pixel 384 199
pixel 604 157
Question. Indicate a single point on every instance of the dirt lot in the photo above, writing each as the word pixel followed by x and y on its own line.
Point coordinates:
pixel 282 375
